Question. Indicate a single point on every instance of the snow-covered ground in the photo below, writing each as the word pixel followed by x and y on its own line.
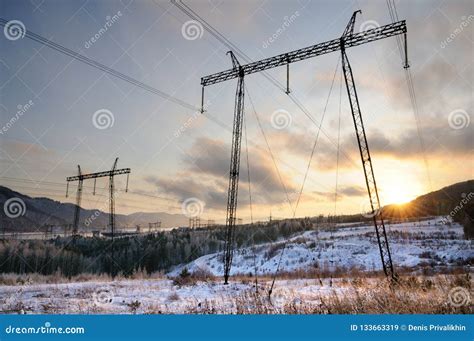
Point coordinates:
pixel 430 241
pixel 154 296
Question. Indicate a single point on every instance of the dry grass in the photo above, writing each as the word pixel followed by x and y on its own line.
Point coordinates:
pixel 411 295
pixel 188 278
pixel 12 279
pixel 343 272
pixel 357 295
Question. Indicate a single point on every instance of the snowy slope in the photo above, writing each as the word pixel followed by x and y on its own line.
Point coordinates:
pixel 430 241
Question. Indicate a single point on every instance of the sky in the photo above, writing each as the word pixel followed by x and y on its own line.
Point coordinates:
pixel 57 112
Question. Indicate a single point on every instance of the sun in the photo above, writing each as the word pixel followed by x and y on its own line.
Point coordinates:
pixel 397 196
pixel 399 182
pixel 400 192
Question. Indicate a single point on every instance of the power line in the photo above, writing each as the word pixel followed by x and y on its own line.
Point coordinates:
pixel 248 168
pixel 338 142
pixel 270 151
pixel 411 89
pixel 102 67
pixel 317 138
pixel 306 174
pixel 221 38
pixel 90 197
pixel 57 184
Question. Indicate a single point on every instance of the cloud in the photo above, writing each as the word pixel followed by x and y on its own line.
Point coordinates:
pixel 352 191
pixel 437 135
pixel 438 139
pixel 342 192
pixel 206 170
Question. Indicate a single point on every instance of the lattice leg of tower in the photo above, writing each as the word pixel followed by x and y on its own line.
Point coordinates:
pixel 112 207
pixel 77 209
pixel 368 169
pixel 233 178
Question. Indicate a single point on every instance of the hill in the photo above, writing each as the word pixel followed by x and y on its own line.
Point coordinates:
pixel 41 211
pixel 440 202
pixel 455 200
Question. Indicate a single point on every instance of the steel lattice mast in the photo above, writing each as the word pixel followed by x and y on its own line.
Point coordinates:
pixel 110 174
pixel 347 40
pixel 372 190
pixel 234 169
pixel 77 209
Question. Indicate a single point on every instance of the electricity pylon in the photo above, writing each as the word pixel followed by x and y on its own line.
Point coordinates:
pixel 347 40
pixel 110 174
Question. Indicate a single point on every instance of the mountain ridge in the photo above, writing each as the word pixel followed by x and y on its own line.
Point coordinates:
pixel 41 210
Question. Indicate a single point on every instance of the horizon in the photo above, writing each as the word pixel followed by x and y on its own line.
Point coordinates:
pixel 176 154
pixel 273 217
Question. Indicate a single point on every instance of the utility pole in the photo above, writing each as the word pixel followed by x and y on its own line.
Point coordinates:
pixel 347 40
